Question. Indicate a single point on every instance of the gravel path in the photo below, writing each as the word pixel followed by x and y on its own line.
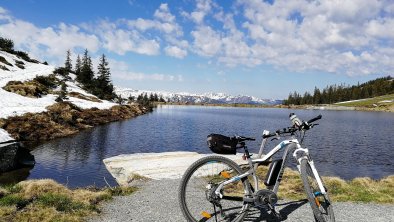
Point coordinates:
pixel 158 201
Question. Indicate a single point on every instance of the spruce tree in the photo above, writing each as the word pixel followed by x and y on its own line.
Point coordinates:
pixel 78 66
pixel 63 92
pixel 86 75
pixel 103 86
pixel 67 65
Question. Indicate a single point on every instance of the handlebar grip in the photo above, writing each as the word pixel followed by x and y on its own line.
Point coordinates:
pixel 314 119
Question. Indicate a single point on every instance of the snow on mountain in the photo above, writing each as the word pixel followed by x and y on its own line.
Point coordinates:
pixel 12 104
pixel 183 97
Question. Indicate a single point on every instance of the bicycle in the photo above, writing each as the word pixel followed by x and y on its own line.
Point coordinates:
pixel 215 187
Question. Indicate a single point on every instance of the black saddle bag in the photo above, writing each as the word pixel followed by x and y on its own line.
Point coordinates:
pixel 222 144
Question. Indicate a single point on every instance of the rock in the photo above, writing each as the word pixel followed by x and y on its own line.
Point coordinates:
pixel 13 155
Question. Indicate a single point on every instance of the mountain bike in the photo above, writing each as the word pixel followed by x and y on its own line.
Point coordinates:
pixel 215 188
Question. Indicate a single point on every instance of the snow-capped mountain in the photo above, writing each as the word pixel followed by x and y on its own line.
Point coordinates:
pixel 184 97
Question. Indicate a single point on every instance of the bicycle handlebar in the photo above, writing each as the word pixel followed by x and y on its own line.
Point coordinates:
pixel 314 119
pixel 298 125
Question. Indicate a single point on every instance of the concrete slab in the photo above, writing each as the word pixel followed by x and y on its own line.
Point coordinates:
pixel 157 166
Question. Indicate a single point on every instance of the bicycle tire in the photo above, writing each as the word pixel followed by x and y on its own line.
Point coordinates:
pixel 194 207
pixel 320 204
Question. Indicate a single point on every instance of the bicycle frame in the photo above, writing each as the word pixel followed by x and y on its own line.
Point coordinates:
pixel 291 145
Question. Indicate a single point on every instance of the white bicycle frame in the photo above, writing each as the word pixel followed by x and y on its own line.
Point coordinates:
pixel 288 145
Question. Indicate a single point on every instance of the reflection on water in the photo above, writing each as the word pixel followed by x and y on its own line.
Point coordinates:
pixel 346 143
pixel 15 176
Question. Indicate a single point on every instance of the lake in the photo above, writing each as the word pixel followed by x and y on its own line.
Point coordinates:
pixel 347 144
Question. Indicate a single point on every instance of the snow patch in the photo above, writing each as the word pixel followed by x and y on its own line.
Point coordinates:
pixel 13 104
pixel 4 136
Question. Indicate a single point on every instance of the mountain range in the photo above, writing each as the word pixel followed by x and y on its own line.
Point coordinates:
pixel 208 98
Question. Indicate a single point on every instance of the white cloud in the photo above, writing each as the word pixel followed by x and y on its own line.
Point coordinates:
pixel 383 28
pixel 121 70
pixel 175 51
pixel 353 37
pixel 330 36
pixel 164 14
pixel 163 21
pixel 121 40
pixel 207 42
pixel 138 76
pixel 47 43
pixel 202 9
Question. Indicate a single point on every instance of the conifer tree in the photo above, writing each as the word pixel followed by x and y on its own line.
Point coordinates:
pixel 103 86
pixel 67 65
pixel 78 66
pixel 63 92
pixel 86 75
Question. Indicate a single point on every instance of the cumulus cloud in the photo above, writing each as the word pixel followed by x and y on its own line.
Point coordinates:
pixel 330 36
pixel 121 41
pixel 352 37
pixel 203 8
pixel 121 70
pixel 175 51
pixel 49 42
pixel 163 21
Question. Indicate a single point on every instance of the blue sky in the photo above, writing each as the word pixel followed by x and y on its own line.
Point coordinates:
pixel 251 47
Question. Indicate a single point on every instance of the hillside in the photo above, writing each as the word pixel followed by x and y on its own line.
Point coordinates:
pixel 341 93
pixel 380 103
pixel 191 98
pixel 28 92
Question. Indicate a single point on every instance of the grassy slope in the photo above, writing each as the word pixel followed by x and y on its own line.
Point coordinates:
pixel 369 103
pixel 46 200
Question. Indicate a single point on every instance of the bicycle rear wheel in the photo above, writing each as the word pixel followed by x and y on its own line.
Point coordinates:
pixel 197 198
pixel 320 203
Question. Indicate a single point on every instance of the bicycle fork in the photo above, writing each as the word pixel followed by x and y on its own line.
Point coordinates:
pixel 312 165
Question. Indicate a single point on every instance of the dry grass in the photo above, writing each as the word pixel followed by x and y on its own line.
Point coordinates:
pixel 357 190
pixel 85 97
pixel 63 119
pixel 46 200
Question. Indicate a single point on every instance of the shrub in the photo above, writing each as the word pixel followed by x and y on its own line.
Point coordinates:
pixel 49 81
pixel 62 71
pixel 19 62
pixel 6 44
pixel 34 61
pixel 20 66
pixel 4 68
pixel 22 55
pixel 3 60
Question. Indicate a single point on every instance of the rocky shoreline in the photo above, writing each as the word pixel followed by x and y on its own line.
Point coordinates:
pixel 60 120
pixel 64 119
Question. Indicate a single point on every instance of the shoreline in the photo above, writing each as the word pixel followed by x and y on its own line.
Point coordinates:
pixel 64 119
pixel 329 107
pixel 128 168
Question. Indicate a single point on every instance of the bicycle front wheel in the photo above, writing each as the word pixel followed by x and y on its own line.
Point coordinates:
pixel 320 203
pixel 197 196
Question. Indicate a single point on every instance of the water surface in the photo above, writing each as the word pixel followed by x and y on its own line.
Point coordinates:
pixel 347 144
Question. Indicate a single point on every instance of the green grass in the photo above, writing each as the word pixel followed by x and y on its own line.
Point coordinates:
pixel 46 200
pixel 60 202
pixel 368 103
pixel 357 190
